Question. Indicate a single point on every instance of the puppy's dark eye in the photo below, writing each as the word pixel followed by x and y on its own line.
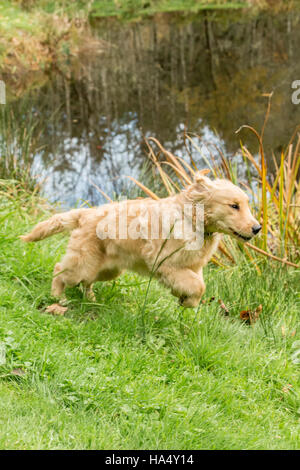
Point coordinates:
pixel 235 206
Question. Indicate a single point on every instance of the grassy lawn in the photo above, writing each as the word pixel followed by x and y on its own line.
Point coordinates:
pixel 97 378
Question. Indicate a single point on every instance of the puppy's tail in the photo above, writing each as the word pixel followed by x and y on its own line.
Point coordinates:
pixel 58 223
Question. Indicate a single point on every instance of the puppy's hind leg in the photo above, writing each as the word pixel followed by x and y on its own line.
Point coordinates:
pixel 58 285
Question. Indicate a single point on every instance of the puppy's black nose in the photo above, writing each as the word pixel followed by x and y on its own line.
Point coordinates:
pixel 256 229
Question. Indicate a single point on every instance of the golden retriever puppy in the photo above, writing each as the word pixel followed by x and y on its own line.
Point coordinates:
pixel 171 239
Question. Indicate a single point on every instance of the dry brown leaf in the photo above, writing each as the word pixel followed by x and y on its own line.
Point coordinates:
pixel 56 309
pixel 258 310
pixel 245 315
pixel 208 301
pixel 250 316
pixel 223 306
pixel 18 371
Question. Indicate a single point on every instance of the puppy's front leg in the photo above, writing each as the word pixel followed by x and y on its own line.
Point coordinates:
pixel 184 283
pixel 88 292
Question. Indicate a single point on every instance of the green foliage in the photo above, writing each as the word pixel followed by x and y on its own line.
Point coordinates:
pixel 17 145
pixel 92 380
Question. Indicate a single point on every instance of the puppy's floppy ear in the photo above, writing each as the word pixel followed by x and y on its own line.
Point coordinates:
pixel 202 180
pixel 201 187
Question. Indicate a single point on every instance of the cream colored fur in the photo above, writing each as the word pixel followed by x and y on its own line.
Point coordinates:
pixel 89 259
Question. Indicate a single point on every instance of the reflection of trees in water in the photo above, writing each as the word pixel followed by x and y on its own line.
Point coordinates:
pixel 158 75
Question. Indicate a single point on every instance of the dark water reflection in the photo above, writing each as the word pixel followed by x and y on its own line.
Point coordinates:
pixel 154 77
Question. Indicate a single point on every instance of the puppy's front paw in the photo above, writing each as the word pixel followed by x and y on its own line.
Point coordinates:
pixel 90 295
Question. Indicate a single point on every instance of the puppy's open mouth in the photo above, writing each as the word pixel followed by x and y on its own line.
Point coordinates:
pixel 241 236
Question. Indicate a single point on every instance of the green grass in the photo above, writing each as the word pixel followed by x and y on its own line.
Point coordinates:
pixel 14 19
pixel 96 379
pixel 33 38
pixel 134 8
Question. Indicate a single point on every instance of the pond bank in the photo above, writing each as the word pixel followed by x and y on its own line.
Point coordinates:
pixel 38 37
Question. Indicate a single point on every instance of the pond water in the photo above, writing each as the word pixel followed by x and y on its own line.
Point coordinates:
pixel 206 73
